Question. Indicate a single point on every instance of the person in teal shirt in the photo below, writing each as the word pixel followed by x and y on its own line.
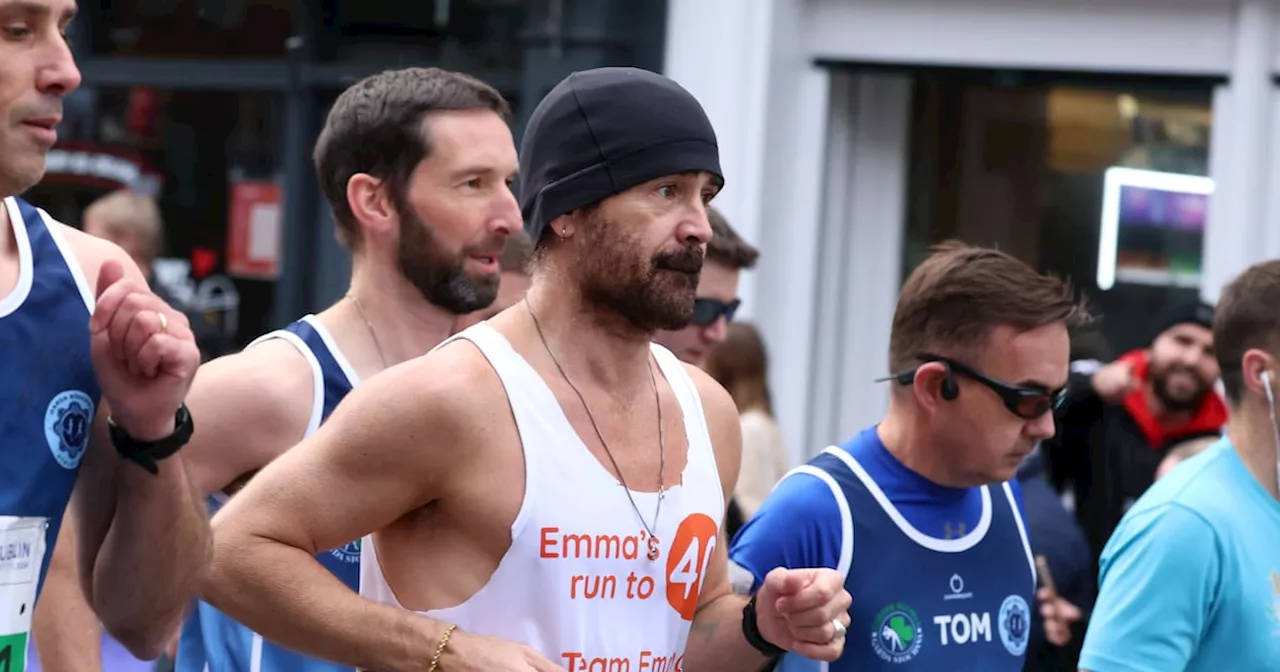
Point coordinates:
pixel 1190 580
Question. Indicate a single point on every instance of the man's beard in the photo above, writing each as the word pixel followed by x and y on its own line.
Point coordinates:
pixel 437 274
pixel 651 293
pixel 1160 387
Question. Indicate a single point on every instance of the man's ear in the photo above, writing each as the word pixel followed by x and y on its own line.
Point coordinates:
pixel 370 205
pixel 931 380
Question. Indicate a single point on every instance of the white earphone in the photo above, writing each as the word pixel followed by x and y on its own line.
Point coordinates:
pixel 1265 378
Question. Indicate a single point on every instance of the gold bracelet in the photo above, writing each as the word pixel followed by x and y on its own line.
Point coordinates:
pixel 444 641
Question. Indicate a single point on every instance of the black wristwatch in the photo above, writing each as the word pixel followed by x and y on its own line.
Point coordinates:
pixel 147 453
pixel 751 631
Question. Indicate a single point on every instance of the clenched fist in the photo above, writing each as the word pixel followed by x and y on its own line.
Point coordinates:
pixel 1113 381
pixel 798 610
pixel 144 354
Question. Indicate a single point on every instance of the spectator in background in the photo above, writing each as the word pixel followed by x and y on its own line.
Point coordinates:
pixel 1058 539
pixel 132 221
pixel 1118 422
pixel 740 365
pixel 513 284
pixel 717 301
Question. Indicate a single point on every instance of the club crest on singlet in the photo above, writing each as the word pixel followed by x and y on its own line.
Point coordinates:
pixel 1015 624
pixel 66 426
pixel 897 635
pixel 348 553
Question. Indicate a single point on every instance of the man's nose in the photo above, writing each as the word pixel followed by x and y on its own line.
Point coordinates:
pixel 716 332
pixel 58 75
pixel 1042 427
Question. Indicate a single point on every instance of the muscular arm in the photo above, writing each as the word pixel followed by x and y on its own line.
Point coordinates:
pixel 251 407
pixel 143 538
pixel 388 446
pixel 66 631
pixel 716 643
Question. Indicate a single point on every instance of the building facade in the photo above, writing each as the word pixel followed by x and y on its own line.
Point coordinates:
pixel 214 106
pixel 1128 144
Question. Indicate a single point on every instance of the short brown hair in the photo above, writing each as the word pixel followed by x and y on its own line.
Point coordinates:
pixel 516 253
pixel 959 293
pixel 375 127
pixel 1248 316
pixel 726 246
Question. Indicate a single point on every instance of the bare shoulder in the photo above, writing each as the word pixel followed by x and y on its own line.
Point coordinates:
pixel 716 402
pixel 450 398
pixel 458 379
pixel 271 379
pixel 91 252
pixel 248 409
pixel 723 424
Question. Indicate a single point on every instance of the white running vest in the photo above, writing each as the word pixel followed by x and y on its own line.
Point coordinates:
pixel 576 584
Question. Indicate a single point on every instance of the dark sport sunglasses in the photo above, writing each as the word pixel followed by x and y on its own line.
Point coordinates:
pixel 1026 402
pixel 707 311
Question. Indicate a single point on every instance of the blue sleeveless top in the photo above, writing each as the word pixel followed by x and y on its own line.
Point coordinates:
pixel 210 639
pixel 961 603
pixel 48 391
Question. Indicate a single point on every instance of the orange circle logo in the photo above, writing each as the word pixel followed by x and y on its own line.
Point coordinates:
pixel 688 560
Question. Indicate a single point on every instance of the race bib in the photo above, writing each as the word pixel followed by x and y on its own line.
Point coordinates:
pixel 21 554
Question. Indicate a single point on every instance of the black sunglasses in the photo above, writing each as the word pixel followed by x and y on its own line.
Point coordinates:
pixel 707 311
pixel 1025 402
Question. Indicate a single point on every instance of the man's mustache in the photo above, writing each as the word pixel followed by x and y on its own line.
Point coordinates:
pixel 686 260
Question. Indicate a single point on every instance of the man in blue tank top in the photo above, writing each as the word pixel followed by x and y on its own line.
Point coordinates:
pixel 417 165
pixel 921 513
pixel 93 372
pixel 1190 581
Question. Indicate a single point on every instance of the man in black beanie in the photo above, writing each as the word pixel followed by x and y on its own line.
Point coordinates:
pixel 544 491
pixel 1118 422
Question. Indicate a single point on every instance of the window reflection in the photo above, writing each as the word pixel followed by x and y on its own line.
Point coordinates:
pixel 1024 165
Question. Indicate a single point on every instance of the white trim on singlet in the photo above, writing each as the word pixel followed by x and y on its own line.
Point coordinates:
pixel 349 371
pixel 846 515
pixel 956 545
pixel 26 264
pixel 317 373
pixel 1022 532
pixel 69 256
pixel 317 408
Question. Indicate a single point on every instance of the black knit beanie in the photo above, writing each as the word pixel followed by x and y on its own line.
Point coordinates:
pixel 1189 312
pixel 600 132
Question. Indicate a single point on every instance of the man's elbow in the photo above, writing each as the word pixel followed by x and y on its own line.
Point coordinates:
pixel 144 641
pixel 147 632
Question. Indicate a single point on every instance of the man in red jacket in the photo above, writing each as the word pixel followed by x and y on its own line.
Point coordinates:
pixel 1118 422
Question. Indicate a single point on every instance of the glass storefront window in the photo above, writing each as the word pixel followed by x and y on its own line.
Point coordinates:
pixel 222 29
pixel 192 150
pixel 1103 183
pixel 471 35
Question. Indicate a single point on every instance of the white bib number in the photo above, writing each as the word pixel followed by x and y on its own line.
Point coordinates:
pixel 21 554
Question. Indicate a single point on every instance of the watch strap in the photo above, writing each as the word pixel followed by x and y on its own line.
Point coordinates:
pixel 147 453
pixel 751 631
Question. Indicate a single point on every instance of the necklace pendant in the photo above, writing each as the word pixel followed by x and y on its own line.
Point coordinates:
pixel 653 549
